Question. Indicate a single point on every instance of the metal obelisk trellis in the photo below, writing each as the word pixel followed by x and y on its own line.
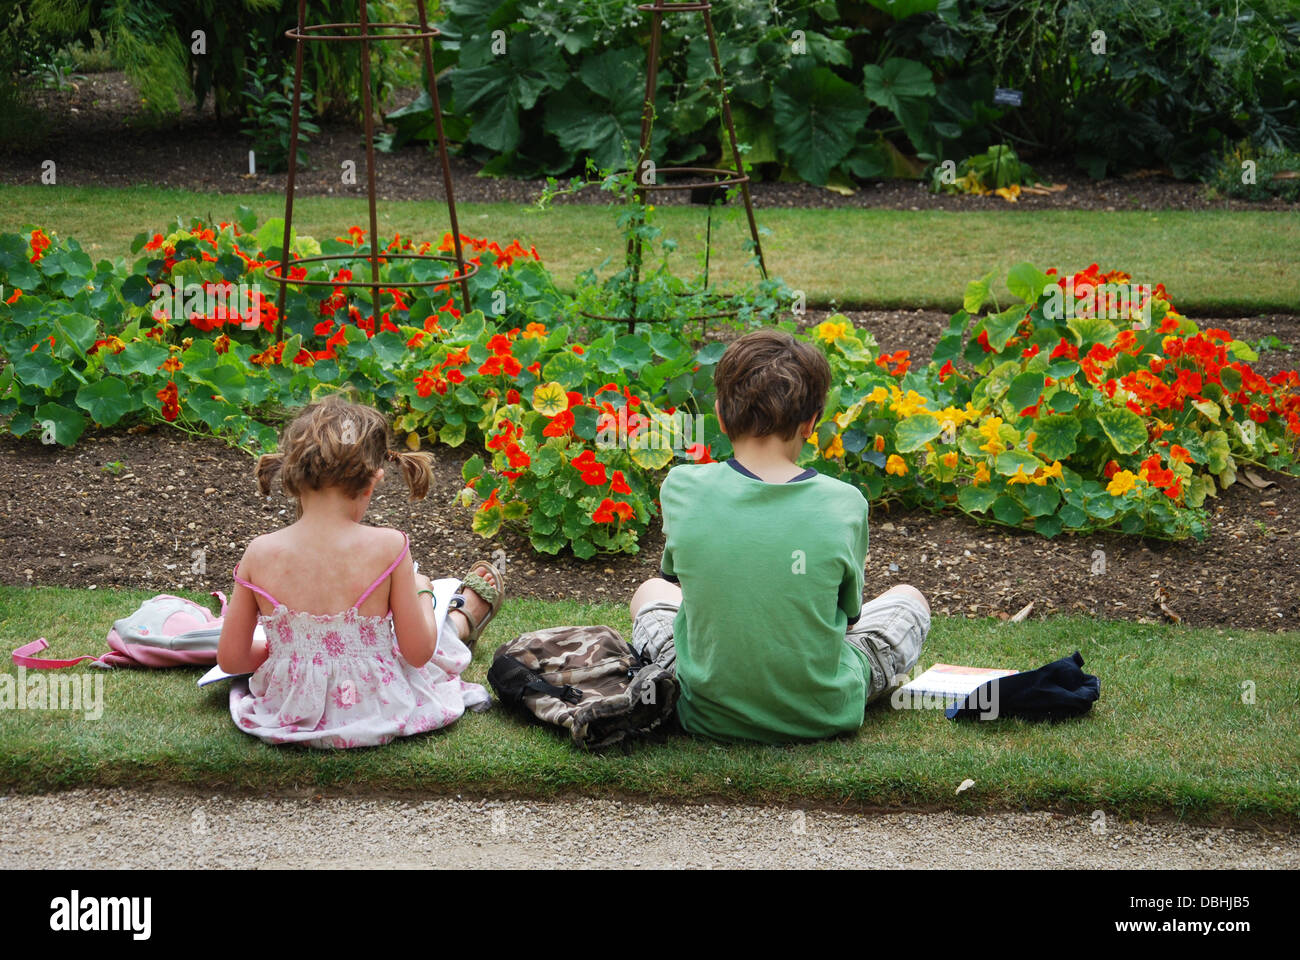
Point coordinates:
pixel 723 177
pixel 364 34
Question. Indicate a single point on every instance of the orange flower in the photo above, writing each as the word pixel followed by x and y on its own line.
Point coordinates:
pixel 609 510
pixel 560 425
pixel 170 397
pixel 593 471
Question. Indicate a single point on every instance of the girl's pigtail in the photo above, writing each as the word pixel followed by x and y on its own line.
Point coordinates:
pixel 267 469
pixel 417 471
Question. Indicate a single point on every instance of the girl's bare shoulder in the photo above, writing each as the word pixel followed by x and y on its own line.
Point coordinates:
pixel 385 540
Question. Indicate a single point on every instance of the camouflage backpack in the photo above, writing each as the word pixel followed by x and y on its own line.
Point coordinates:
pixel 588 680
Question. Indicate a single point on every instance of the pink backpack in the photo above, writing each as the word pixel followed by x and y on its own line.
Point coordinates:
pixel 166 631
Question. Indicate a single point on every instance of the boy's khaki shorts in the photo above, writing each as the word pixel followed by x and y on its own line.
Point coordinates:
pixel 890 632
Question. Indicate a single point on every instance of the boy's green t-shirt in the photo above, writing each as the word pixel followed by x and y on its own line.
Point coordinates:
pixel 771 576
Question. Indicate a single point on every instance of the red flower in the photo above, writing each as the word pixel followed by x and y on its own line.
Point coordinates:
pixel 512 396
pixel 170 397
pixel 619 484
pixel 578 350
pixel 499 344
pixel 1064 349
pixel 517 457
pixel 1029 352
pixel 560 425
pixel 609 510
pixel 593 471
pixel 491 501
pixel 699 453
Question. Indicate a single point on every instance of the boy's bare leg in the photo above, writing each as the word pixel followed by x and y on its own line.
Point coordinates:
pixel 653 590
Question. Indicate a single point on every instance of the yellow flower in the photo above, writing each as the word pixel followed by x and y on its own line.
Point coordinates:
pixel 835 449
pixel 1019 476
pixel 1053 471
pixel 1121 483
pixel 949 460
pixel 878 395
pixel 1009 193
pixel 828 332
pixel 908 406
pixel 895 465
pixel 989 431
pixel 981 474
pixel 955 416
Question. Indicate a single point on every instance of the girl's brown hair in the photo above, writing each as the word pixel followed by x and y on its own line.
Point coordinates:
pixel 334 443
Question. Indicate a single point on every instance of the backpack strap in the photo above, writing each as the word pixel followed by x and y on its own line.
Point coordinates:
pixel 23 657
pixel 511 680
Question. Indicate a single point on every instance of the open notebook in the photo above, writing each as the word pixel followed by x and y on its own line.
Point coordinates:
pixel 953 683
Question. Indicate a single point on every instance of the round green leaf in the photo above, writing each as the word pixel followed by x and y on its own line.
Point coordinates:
pixel 1040 501
pixel 1056 436
pixel 1025 390
pixel 107 400
pixel 1125 428
pixel 1048 526
pixel 1008 462
pixel 1008 511
pixel 915 432
pixel 67 423
pixel 976 499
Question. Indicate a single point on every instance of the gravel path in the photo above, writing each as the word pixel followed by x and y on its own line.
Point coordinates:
pixel 125 828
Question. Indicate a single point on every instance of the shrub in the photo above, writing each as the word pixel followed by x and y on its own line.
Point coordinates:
pixel 1248 174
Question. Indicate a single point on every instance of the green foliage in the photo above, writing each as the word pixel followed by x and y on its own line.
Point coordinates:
pixel 997 169
pixel 1249 174
pixel 1056 414
pixel 268 118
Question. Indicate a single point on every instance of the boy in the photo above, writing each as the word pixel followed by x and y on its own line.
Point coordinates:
pixel 760 598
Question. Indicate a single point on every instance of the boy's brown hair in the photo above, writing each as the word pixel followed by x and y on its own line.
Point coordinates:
pixel 334 443
pixel 767 382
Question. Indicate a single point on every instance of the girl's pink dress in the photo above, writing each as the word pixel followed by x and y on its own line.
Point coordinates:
pixel 339 680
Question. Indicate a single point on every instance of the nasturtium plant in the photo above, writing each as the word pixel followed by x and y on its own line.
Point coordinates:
pixel 1091 403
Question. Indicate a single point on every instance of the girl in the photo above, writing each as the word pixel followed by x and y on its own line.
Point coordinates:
pixel 387 666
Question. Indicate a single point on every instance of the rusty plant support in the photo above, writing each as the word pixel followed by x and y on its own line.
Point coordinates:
pixel 365 34
pixel 722 177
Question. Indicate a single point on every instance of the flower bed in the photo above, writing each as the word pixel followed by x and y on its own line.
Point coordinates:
pixel 1059 412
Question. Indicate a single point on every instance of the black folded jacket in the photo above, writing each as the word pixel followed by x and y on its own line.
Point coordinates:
pixel 1052 692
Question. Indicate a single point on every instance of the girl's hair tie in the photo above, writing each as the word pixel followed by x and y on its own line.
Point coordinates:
pixel 392 455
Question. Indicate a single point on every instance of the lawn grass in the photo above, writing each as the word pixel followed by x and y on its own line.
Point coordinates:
pixel 1213 263
pixel 1170 735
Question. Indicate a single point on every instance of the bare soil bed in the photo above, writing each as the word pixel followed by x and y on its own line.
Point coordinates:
pixel 71 517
